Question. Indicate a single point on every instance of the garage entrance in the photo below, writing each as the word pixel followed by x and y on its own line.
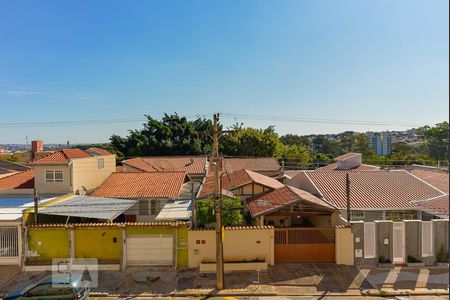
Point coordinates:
pixel 149 249
pixel 305 244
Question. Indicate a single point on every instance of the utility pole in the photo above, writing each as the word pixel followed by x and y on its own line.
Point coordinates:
pixel 218 207
pixel 35 200
pixel 347 190
pixel 194 206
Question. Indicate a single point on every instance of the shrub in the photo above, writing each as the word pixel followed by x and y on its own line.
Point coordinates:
pixel 441 255
pixel 383 260
pixel 412 259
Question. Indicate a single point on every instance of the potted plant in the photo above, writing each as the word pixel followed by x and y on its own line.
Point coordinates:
pixel 411 261
pixel 441 257
pixel 384 262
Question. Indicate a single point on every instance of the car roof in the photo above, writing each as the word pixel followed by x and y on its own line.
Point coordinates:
pixel 60 279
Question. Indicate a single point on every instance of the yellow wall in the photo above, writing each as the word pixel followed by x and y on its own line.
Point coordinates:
pixel 44 244
pixel 98 243
pixel 344 246
pixel 239 245
pixel 86 174
pixel 51 188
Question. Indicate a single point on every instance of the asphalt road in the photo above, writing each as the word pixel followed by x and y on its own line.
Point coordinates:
pixel 281 298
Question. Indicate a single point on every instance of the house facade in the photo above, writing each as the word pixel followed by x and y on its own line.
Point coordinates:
pixel 374 195
pixel 152 190
pixel 72 171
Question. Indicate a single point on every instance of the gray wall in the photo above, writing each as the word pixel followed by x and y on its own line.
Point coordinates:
pixel 413 240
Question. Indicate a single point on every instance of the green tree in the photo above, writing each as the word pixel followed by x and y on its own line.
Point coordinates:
pixel 294 156
pixel 231 211
pixel 362 145
pixel 436 139
pixel 247 141
pixel 403 148
pixel 172 135
pixel 293 139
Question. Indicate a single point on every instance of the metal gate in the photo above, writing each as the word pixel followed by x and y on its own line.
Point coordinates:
pixel 9 241
pixel 305 245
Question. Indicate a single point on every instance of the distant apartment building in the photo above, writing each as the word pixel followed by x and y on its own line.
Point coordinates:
pixel 381 142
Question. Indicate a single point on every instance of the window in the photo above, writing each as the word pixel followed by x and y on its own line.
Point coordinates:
pixel 357 214
pixel 154 207
pixel 101 163
pixel 58 176
pixel 143 207
pixel 427 238
pixel 55 290
pixel 38 291
pixel 53 176
pixel 49 176
pixel 369 240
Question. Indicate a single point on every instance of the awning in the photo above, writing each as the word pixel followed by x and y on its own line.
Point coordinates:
pixel 175 211
pixel 89 207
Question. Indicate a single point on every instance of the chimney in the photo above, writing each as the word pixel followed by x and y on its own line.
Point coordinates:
pixel 36 146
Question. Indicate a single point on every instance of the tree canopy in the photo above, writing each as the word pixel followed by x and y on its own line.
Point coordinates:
pixel 231 211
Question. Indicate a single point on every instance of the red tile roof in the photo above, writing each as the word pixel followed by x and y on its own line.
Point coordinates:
pixel 189 164
pixel 119 169
pixel 255 164
pixel 438 179
pixel 22 180
pixel 61 156
pixel 372 189
pixel 347 156
pixel 362 167
pixel 238 179
pixel 99 151
pixel 286 195
pixel 437 206
pixel 141 185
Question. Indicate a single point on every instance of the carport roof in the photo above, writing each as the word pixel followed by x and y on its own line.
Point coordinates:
pixel 89 207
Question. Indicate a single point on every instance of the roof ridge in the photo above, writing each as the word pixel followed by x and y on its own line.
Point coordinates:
pixel 411 174
pixel 16 173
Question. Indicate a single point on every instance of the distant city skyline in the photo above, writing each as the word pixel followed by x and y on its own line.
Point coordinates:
pixel 382 61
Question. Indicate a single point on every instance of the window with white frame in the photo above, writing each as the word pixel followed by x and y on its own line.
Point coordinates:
pixel 54 176
pixel 427 238
pixel 101 163
pixel 49 176
pixel 357 214
pixel 369 240
pixel 58 176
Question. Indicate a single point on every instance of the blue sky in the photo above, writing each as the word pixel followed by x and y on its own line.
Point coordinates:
pixel 379 60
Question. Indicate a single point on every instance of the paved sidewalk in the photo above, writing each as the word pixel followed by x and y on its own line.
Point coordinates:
pixel 7 274
pixel 279 280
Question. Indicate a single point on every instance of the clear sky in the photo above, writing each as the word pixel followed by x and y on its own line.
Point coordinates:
pixel 377 60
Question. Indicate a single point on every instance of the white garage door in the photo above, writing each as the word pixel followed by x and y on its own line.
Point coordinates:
pixel 149 249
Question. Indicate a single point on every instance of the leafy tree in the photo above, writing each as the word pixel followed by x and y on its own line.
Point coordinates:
pixel 322 159
pixel 293 139
pixel 321 144
pixel 403 148
pixel 172 135
pixel 231 211
pixel 295 155
pixel 362 145
pixel 247 141
pixel 436 140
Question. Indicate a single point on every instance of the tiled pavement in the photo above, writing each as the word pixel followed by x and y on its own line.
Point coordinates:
pixel 281 279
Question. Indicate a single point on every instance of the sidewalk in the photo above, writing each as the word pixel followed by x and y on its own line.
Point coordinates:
pixel 278 280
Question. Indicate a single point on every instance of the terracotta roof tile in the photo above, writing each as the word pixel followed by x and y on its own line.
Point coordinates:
pixel 61 156
pixel 99 151
pixel 286 195
pixel 189 164
pixel 141 185
pixel 372 189
pixel 238 179
pixel 362 167
pixel 255 164
pixel 22 180
pixel 437 206
pixel 438 179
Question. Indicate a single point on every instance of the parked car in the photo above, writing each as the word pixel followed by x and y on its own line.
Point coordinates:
pixel 64 286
